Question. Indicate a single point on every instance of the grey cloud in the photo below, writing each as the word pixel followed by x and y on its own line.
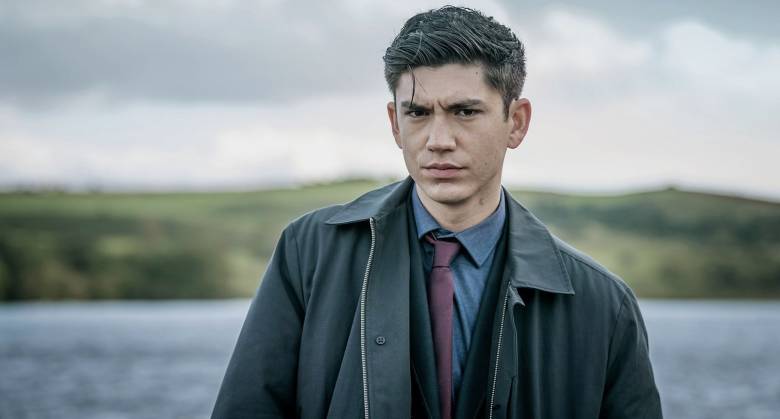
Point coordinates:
pixel 247 51
pixel 235 55
pixel 752 18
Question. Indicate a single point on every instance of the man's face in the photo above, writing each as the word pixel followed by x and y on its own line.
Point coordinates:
pixel 454 135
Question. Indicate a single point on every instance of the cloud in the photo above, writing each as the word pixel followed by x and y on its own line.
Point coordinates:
pixel 162 146
pixel 222 94
pixel 687 104
pixel 704 58
pixel 572 46
pixel 225 51
pixel 579 57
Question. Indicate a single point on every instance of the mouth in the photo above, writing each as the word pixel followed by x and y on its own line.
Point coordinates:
pixel 442 170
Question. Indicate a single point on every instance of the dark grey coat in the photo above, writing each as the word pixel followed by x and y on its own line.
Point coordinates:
pixel 328 333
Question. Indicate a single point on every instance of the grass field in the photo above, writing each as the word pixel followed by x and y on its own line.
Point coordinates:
pixel 665 243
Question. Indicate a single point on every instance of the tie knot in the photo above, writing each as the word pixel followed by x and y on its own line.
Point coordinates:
pixel 444 250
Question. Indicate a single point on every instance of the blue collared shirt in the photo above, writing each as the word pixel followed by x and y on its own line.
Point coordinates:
pixel 470 270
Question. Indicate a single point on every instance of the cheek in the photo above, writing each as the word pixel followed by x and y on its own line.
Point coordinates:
pixel 412 145
pixel 408 129
pixel 490 158
pixel 410 157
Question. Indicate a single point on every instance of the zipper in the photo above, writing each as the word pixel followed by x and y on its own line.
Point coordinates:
pixel 498 354
pixel 363 292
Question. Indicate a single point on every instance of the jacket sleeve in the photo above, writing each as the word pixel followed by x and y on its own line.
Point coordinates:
pixel 630 390
pixel 260 381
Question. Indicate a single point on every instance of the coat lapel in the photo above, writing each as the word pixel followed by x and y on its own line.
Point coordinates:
pixel 423 354
pixel 533 260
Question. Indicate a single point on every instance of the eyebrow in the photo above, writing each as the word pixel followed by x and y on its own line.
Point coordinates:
pixel 413 106
pixel 463 104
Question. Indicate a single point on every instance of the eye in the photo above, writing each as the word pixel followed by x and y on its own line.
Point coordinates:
pixel 416 113
pixel 467 112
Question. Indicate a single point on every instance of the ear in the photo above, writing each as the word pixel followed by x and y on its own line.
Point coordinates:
pixel 520 116
pixel 393 115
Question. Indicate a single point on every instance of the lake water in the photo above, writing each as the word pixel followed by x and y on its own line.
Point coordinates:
pixel 166 359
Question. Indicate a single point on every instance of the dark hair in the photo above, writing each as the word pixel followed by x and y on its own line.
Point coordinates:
pixel 458 35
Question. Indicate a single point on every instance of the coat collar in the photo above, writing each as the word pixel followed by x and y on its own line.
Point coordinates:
pixel 374 204
pixel 533 259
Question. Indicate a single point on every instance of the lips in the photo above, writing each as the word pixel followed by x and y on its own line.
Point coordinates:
pixel 442 166
pixel 442 170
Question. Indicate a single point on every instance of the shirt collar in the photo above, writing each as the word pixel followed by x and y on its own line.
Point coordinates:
pixel 478 240
pixel 533 254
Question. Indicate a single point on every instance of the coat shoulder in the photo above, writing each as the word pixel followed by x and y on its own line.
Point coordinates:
pixel 315 219
pixel 590 277
pixel 310 234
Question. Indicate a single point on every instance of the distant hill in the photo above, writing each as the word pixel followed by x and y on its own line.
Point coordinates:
pixel 54 245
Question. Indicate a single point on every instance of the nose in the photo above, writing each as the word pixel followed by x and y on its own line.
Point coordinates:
pixel 440 135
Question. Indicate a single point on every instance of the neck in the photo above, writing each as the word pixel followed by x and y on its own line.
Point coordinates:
pixel 460 216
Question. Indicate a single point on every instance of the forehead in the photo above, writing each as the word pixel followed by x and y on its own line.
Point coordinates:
pixel 447 83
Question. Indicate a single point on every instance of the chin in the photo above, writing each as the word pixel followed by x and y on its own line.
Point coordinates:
pixel 447 193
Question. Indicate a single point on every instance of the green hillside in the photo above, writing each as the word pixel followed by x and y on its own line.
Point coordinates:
pixel 667 243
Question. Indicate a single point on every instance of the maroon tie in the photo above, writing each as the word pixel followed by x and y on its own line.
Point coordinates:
pixel 441 291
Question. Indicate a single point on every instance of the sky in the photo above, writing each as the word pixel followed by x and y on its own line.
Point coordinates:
pixel 239 94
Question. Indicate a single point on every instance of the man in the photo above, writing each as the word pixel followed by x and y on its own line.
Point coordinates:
pixel 440 296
